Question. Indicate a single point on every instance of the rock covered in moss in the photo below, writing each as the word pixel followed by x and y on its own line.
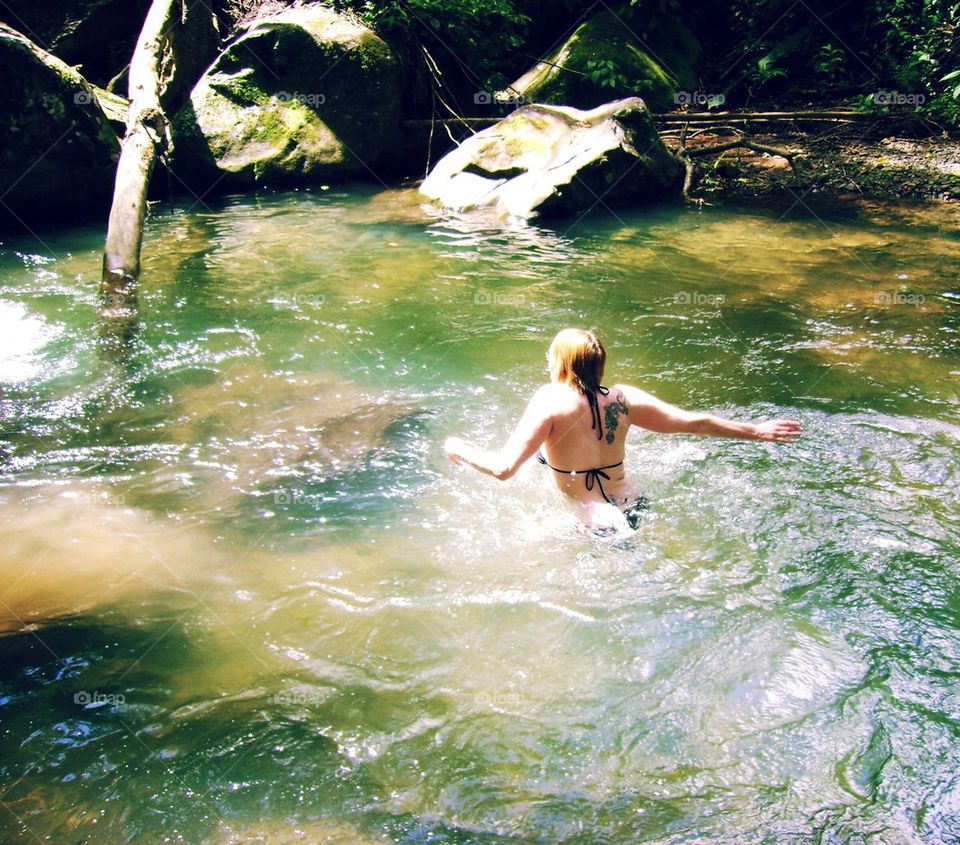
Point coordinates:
pixel 59 151
pixel 615 54
pixel 297 97
pixel 557 160
pixel 96 36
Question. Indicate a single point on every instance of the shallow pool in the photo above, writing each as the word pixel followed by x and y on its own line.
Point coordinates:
pixel 247 600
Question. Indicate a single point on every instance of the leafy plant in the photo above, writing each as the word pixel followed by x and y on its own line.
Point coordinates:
pixel 829 61
pixel 605 73
pixel 906 47
pixel 764 72
pixel 474 34
pixel 953 75
pixel 767 71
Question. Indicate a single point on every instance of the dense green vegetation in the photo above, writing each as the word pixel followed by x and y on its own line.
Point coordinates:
pixel 880 54
pixel 885 53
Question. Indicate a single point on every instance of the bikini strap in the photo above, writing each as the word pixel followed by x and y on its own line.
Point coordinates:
pixel 590 476
pixel 595 421
pixel 594 475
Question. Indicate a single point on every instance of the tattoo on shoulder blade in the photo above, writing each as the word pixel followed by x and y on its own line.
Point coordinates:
pixel 612 413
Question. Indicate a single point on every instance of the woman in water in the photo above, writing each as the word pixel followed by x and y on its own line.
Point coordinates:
pixel 582 427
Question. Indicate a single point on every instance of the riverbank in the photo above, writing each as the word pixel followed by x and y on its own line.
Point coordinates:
pixel 888 168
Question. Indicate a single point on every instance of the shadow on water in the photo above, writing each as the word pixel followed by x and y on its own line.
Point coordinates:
pixel 82 685
pixel 243 766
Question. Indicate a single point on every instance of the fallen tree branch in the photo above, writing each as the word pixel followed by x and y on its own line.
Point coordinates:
pixel 732 117
pixel 748 145
pixel 709 129
pixel 147 130
pixel 688 155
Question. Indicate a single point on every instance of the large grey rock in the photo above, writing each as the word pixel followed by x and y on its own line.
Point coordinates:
pixel 298 97
pixel 59 150
pixel 556 160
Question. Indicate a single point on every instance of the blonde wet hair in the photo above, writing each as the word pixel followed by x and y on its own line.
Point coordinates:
pixel 577 358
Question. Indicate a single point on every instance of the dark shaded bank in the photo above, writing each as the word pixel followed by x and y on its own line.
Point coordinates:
pixel 890 168
pixel 277 95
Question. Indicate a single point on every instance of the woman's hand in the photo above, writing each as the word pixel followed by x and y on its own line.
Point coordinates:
pixel 779 431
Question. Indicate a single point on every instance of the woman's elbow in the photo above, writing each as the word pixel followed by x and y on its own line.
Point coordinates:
pixel 504 469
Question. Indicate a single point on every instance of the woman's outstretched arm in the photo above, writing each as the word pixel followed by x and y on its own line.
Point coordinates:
pixel 533 428
pixel 649 412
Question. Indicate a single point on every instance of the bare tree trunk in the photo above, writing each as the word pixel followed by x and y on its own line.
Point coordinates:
pixel 147 130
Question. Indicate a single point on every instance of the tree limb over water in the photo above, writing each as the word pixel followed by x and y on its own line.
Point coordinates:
pixel 147 131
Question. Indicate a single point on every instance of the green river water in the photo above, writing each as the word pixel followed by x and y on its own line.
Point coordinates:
pixel 244 598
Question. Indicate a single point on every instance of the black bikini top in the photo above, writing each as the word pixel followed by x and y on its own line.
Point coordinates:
pixel 594 404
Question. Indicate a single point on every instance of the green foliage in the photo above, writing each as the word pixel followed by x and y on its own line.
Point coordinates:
pixel 811 50
pixel 233 11
pixel 475 33
pixel 766 69
pixel 764 72
pixel 605 73
pixel 953 75
pixel 829 61
pixel 921 42
pixel 909 47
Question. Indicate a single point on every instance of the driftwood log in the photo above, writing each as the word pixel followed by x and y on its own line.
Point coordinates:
pixel 687 154
pixel 147 131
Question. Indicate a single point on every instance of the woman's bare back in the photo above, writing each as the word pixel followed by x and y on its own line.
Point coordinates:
pixel 577 443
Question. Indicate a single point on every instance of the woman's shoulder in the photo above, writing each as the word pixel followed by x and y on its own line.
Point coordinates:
pixel 555 396
pixel 550 392
pixel 620 390
pixel 628 391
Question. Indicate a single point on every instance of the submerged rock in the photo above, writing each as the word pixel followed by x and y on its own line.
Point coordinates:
pixel 263 433
pixel 557 160
pixel 298 97
pixel 288 832
pixel 614 54
pixel 67 549
pixel 59 150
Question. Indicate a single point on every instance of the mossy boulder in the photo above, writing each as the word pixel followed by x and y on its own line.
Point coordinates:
pixel 615 54
pixel 96 36
pixel 59 151
pixel 298 97
pixel 555 160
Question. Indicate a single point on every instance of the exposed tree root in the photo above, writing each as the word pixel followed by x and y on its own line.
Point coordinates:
pixel 688 155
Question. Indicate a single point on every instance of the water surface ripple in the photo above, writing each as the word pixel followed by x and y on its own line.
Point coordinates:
pixel 245 599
